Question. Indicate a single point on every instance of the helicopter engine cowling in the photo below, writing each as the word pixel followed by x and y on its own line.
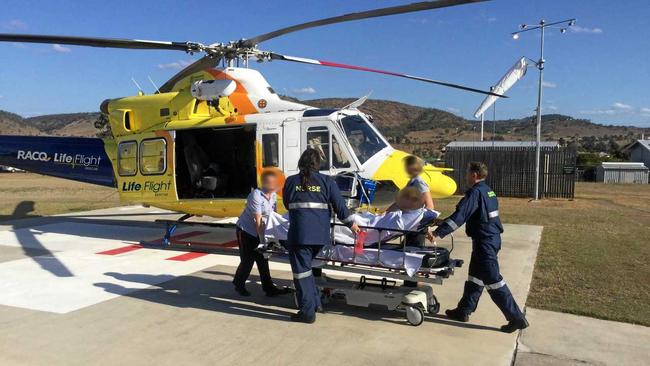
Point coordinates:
pixel 213 89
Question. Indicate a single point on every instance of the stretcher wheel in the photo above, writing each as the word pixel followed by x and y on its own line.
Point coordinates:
pixel 434 306
pixel 414 315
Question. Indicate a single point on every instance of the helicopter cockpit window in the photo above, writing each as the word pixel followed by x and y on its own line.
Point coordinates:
pixel 364 140
pixel 153 156
pixel 318 138
pixel 126 158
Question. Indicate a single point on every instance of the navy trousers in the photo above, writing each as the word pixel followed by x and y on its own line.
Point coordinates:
pixel 300 257
pixel 484 272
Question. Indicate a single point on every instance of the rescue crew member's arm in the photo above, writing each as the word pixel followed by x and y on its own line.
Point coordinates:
pixel 465 208
pixel 339 207
pixel 259 226
pixel 424 190
pixel 255 205
pixel 428 201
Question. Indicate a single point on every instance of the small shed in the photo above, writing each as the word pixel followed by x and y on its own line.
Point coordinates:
pixel 623 172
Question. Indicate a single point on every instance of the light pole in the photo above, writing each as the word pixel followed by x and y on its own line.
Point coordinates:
pixel 540 66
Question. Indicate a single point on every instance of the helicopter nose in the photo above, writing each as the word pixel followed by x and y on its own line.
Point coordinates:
pixel 440 185
pixel 392 169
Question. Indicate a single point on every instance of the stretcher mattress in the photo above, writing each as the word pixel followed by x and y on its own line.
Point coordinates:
pixel 409 259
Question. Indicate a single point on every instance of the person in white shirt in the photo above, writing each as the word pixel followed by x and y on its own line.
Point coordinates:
pixel 261 202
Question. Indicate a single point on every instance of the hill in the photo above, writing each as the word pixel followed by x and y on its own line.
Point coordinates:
pixel 13 124
pixel 425 131
pixel 421 130
pixel 70 124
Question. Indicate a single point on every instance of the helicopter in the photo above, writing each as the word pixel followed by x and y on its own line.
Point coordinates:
pixel 201 142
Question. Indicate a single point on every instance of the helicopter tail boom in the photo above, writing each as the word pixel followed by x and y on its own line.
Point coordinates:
pixel 75 158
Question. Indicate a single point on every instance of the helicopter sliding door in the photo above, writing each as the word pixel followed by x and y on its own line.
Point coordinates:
pixel 215 162
pixel 144 169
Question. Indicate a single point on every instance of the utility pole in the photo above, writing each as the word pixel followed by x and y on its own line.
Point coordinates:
pixel 540 66
pixel 540 90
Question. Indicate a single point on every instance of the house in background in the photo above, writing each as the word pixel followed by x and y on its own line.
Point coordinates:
pixel 639 151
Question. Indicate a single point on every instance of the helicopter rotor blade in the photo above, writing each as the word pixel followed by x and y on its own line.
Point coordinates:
pixel 276 56
pixel 400 9
pixel 101 42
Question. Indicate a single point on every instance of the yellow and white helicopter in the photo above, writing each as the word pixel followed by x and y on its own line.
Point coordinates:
pixel 200 143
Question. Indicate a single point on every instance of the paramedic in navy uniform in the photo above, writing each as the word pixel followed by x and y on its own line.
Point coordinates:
pixel 310 198
pixel 250 233
pixel 479 210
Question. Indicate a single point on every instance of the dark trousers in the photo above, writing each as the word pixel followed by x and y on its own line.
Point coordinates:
pixel 248 255
pixel 484 272
pixel 307 294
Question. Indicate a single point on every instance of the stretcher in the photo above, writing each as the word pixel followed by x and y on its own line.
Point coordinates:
pixel 394 275
pixel 388 277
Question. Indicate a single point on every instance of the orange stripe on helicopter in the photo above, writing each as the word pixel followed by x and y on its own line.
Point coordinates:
pixel 239 98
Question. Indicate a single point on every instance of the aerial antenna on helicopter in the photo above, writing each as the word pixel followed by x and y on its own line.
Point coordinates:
pixel 154 84
pixel 140 92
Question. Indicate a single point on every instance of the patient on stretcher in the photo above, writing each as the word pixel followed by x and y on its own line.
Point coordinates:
pixel 409 216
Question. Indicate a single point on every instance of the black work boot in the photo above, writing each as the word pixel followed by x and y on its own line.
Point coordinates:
pixel 275 291
pixel 300 317
pixel 457 315
pixel 241 290
pixel 515 325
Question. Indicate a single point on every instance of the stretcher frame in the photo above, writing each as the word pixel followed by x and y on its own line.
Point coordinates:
pixel 428 275
pixel 434 275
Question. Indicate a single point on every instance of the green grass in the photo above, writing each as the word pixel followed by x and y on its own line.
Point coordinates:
pixel 595 251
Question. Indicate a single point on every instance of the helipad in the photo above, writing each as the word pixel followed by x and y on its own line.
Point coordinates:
pixel 79 290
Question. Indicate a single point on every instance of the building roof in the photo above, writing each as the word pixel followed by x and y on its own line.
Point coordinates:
pixel 623 166
pixel 642 143
pixel 502 144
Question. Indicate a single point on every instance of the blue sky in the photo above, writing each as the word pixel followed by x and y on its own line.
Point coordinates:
pixel 599 70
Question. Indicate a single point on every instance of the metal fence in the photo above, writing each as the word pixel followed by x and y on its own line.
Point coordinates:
pixel 512 169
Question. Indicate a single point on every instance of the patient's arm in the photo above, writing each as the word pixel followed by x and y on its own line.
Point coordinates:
pixel 393 207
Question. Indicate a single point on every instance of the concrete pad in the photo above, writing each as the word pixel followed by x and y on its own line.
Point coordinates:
pixel 566 339
pixel 147 310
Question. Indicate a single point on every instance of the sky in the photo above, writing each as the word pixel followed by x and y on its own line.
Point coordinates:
pixel 597 70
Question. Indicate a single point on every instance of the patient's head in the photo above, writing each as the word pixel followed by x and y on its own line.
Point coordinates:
pixel 409 198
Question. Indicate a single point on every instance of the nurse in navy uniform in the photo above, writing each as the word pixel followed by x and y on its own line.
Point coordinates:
pixel 311 198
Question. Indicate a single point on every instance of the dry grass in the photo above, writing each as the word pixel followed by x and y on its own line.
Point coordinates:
pixel 595 250
pixel 50 195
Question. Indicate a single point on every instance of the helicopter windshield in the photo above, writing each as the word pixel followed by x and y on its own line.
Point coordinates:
pixel 364 140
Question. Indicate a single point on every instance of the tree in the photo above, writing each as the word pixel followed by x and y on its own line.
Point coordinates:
pixel 103 126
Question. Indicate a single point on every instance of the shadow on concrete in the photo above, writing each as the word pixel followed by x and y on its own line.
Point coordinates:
pixel 211 294
pixel 30 245
pixel 217 294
